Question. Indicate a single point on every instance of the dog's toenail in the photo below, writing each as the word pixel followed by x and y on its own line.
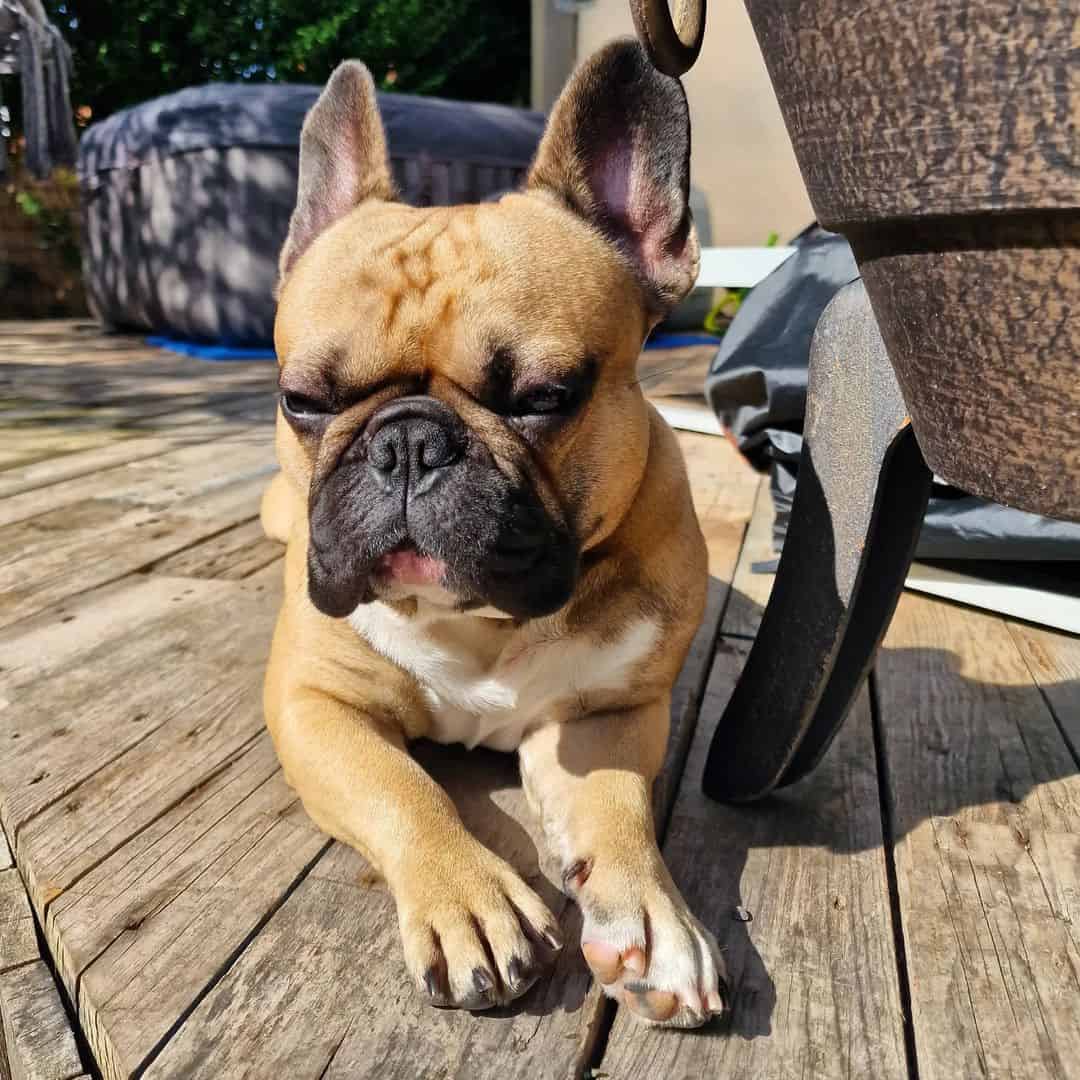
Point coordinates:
pixel 515 972
pixel 432 982
pixel 553 939
pixel 482 980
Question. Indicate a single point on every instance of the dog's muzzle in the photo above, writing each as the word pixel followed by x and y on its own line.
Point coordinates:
pixel 410 443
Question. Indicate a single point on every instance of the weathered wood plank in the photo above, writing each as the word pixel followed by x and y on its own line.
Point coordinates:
pixel 322 987
pixel 181 472
pixel 145 931
pixel 18 938
pixel 750 590
pixel 1053 659
pixel 40 1042
pixel 676 372
pixel 814 979
pixel 105 539
pixel 234 554
pixel 986 811
pixel 58 420
pixel 322 990
pixel 57 468
pixel 104 673
pixel 5 1069
pixel 725 489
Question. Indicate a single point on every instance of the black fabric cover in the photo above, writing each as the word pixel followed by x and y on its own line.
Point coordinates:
pixel 186 198
pixel 757 387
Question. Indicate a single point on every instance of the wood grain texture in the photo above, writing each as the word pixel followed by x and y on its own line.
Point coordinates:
pixel 231 555
pixel 144 933
pixel 724 490
pixel 18 938
pixel 76 400
pixel 676 372
pixel 208 710
pixel 5 1068
pixel 749 590
pixel 322 990
pixel 105 673
pixel 986 817
pixel 1053 659
pixel 814 975
pixel 107 538
pixel 160 480
pixel 40 1043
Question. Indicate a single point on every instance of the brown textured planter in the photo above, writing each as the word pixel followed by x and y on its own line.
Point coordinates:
pixel 942 139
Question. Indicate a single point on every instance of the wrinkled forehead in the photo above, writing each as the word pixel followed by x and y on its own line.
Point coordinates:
pixel 445 287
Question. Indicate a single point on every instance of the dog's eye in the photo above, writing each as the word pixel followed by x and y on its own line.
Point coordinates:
pixel 545 400
pixel 301 407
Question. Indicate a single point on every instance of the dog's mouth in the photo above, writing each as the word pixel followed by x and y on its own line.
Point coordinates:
pixel 407 565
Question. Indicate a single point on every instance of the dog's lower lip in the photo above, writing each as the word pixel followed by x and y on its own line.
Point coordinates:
pixel 408 566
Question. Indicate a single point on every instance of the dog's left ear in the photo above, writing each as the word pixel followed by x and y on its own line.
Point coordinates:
pixel 343 158
pixel 617 152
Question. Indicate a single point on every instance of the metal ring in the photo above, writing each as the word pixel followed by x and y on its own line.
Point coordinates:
pixel 672 46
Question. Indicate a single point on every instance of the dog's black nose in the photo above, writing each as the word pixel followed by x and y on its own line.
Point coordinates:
pixel 410 441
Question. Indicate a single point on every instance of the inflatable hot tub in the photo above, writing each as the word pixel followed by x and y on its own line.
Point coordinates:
pixel 186 199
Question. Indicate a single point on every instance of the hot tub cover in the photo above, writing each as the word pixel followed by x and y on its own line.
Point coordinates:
pixel 186 198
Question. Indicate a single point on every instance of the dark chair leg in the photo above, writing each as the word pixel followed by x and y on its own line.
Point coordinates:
pixel 859 504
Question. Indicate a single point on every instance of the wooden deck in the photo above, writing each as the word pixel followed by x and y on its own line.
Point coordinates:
pixel 915 903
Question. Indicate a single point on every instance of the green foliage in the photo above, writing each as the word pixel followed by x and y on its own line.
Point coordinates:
pixel 51 206
pixel 129 50
pixel 28 204
pixel 727 302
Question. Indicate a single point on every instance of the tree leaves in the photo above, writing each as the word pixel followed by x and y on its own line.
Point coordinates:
pixel 127 51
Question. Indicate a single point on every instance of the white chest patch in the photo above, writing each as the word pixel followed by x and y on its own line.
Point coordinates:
pixel 484 685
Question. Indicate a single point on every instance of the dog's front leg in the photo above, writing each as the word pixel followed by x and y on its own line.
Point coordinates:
pixel 474 934
pixel 590 780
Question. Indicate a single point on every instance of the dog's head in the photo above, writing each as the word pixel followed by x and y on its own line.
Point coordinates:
pixel 458 394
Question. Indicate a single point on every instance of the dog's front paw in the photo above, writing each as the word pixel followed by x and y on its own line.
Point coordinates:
pixel 646 948
pixel 475 935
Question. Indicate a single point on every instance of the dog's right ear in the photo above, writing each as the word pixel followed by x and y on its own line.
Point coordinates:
pixel 343 159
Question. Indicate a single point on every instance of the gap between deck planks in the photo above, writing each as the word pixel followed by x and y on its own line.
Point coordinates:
pixel 36 1038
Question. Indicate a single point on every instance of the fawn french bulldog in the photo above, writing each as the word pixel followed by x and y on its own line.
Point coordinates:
pixel 490 533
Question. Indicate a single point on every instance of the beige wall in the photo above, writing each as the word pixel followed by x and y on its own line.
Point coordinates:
pixel 742 158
